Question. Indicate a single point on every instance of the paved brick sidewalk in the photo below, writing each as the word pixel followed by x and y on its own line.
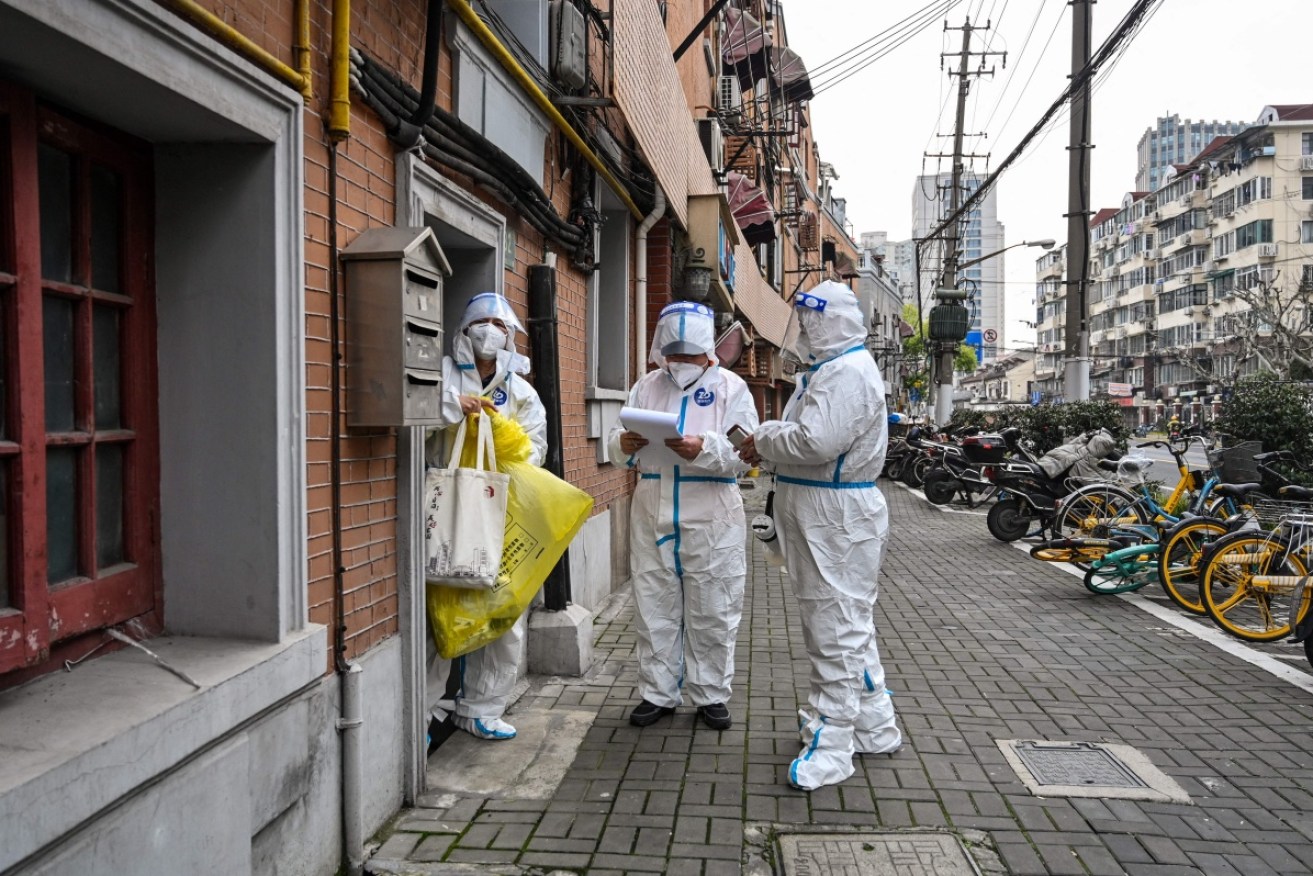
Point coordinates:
pixel 980 643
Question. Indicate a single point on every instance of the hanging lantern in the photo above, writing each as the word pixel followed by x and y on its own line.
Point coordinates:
pixel 949 322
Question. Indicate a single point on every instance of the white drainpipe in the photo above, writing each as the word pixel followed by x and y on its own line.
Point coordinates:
pixel 640 287
pixel 353 840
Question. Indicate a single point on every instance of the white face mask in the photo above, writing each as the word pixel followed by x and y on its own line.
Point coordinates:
pixel 685 374
pixel 486 339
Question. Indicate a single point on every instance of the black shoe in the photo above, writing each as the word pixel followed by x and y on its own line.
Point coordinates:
pixel 715 716
pixel 648 713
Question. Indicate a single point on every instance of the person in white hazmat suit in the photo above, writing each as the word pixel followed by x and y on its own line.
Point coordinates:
pixel 832 521
pixel 484 370
pixel 687 554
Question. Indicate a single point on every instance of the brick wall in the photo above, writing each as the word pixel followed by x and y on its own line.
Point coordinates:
pixel 392 31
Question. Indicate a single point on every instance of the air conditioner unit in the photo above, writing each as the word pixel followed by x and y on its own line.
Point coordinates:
pixel 1208 311
pixel 713 142
pixel 729 96
pixel 1121 333
pixel 1154 254
pixel 1184 239
pixel 1306 162
pixel 1208 267
pixel 569 48
pixel 1267 250
pixel 1183 201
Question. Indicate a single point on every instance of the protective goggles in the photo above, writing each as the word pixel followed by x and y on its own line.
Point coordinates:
pixel 809 301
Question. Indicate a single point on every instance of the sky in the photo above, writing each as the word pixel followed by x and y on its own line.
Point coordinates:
pixel 1201 59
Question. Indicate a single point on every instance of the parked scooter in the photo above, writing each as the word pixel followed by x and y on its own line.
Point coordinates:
pixel 961 471
pixel 1032 492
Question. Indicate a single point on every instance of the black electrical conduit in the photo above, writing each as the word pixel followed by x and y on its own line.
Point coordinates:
pixel 466 151
pixel 411 130
pixel 550 226
pixel 463 161
pixel 402 99
pixel 340 662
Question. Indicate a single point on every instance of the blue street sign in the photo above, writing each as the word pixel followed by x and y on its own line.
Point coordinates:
pixel 976 339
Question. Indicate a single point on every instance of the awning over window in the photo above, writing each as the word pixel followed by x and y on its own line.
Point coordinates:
pixel 789 74
pixel 844 265
pixel 745 45
pixel 752 211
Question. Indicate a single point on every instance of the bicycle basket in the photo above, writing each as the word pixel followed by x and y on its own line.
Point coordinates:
pixel 1273 512
pixel 1235 465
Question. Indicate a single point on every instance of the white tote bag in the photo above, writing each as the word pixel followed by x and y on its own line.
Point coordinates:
pixel 465 516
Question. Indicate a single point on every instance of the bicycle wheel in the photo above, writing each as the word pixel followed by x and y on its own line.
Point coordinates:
pixel 1082 550
pixel 1247 582
pixel 1088 512
pixel 1178 562
pixel 1112 578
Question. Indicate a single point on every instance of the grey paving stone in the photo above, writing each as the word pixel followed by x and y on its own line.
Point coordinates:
pixel 980 643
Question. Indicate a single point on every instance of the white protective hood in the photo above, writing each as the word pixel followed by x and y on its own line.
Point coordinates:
pixel 686 321
pixel 487 305
pixel 827 320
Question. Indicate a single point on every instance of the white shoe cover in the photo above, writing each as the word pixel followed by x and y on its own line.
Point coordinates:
pixel 827 754
pixel 486 728
pixel 875 730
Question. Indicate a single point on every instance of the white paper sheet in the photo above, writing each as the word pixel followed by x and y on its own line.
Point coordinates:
pixel 656 427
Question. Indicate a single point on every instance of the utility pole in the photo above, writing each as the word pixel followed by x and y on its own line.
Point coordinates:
pixel 1076 370
pixel 947 290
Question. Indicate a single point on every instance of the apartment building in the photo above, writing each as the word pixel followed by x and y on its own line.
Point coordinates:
pixel 1172 140
pixel 1007 381
pixel 187 459
pixel 1206 279
pixel 1050 323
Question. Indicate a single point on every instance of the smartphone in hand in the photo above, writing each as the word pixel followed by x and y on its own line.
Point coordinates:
pixel 737 435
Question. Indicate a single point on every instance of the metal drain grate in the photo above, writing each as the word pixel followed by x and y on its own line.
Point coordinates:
pixel 1089 769
pixel 1077 764
pixel 874 854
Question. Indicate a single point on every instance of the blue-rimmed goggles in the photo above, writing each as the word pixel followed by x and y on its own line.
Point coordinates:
pixel 809 301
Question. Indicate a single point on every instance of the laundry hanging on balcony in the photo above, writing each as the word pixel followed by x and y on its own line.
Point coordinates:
pixel 789 74
pixel 752 210
pixel 744 47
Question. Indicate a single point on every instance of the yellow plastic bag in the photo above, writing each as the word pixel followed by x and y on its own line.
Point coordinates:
pixel 543 515
pixel 508 438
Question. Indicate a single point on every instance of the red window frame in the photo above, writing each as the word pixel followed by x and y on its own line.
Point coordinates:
pixel 46 623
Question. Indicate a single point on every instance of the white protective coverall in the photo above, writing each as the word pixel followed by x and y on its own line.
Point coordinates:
pixel 687 555
pixel 827 452
pixel 487 676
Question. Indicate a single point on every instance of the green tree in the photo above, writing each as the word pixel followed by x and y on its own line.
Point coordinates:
pixel 1278 413
pixel 1047 426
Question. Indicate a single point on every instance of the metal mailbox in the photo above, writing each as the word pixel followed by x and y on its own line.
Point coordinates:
pixel 394 280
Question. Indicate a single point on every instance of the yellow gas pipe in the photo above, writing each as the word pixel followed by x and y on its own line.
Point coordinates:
pixel 229 36
pixel 508 62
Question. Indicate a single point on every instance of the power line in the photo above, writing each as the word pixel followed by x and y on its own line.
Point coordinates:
pixel 1122 33
pixel 1039 10
pixel 876 54
pixel 837 59
pixel 1038 63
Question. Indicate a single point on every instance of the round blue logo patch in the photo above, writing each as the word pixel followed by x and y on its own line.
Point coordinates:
pixel 499 396
pixel 704 397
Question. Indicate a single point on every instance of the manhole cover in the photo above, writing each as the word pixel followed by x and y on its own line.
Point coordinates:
pixel 874 854
pixel 1088 769
pixel 1076 763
